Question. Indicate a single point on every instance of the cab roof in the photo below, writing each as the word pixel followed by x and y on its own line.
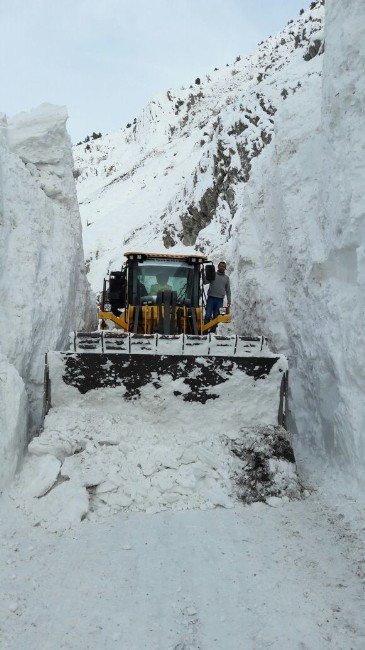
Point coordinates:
pixel 166 256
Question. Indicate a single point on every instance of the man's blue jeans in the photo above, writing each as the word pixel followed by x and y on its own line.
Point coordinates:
pixel 212 308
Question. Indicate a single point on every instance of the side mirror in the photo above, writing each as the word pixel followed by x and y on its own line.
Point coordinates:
pixel 117 289
pixel 210 272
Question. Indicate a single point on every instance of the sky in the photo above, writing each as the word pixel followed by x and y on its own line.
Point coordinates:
pixel 105 59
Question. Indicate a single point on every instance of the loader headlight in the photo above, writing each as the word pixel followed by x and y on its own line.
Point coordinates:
pixel 107 306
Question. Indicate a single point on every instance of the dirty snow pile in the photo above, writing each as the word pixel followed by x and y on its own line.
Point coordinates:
pixel 101 453
pixel 43 288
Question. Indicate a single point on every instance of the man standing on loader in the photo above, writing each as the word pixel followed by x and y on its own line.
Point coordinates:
pixel 218 288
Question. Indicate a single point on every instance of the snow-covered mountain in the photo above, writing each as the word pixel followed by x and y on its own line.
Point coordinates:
pixel 260 162
pixel 173 177
pixel 43 288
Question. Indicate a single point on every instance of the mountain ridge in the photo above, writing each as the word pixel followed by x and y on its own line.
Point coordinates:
pixel 188 151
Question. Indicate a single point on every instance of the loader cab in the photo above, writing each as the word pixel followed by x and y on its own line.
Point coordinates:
pixel 148 277
pixel 158 293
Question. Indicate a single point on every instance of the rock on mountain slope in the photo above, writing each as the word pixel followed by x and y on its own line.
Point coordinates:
pixel 261 162
pixel 43 288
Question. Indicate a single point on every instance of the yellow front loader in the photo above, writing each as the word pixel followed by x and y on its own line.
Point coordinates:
pixel 159 293
pixel 152 331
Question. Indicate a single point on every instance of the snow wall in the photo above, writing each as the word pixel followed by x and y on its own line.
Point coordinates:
pixel 43 289
pixel 299 243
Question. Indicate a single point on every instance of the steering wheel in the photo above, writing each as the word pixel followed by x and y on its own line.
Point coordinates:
pixel 182 293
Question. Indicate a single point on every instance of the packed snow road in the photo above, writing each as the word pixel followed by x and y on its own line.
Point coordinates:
pixel 250 577
pixel 126 529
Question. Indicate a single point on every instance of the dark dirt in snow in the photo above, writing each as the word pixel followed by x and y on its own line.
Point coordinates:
pixel 265 464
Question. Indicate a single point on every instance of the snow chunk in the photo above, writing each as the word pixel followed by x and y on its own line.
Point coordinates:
pixel 63 508
pixel 34 135
pixel 39 474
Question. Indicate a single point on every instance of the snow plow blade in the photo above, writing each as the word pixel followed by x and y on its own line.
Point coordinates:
pixel 242 371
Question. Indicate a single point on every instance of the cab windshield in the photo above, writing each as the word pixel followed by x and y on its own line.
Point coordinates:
pixel 164 275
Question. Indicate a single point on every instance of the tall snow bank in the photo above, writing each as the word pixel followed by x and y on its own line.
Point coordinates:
pixel 343 173
pixel 13 419
pixel 43 289
pixel 299 243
